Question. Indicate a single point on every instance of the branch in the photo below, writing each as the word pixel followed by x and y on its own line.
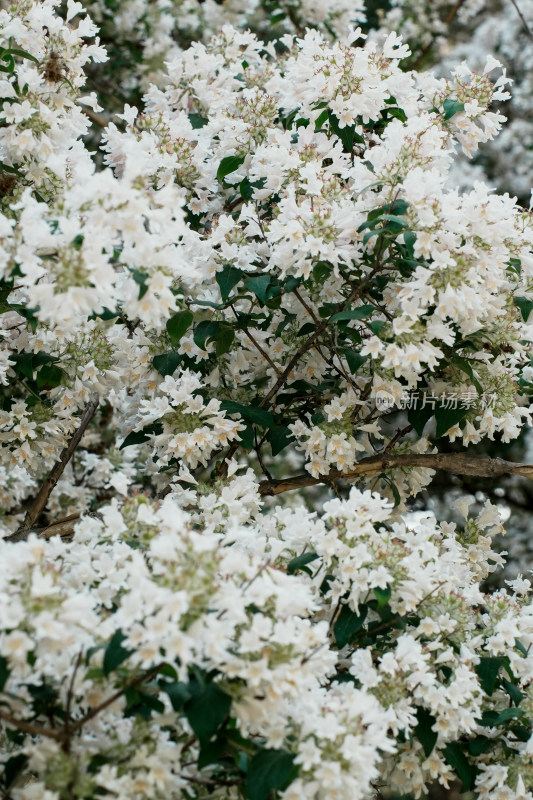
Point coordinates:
pixel 449 18
pixel 30 727
pixel 57 470
pixel 309 343
pixel 110 700
pixel 96 118
pixel 63 735
pixel 256 343
pixel 522 18
pixel 455 463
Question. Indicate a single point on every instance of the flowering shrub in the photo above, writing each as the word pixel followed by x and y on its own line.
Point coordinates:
pixel 261 281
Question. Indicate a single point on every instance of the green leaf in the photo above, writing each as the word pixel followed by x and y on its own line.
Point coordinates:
pixel 382 595
pixel 115 654
pixel 142 704
pixel 394 489
pixel 525 305
pixel 513 691
pixel 487 671
pixel 402 223
pixel 168 670
pixel 355 360
pixel 178 694
pixel 167 363
pixel 322 117
pixel 207 709
pixel 23 364
pixel 399 113
pixel 197 121
pixel 480 745
pixel 228 165
pixel 321 271
pixel 399 206
pixel 347 624
pixel 306 329
pixel 448 417
pixel 135 437
pixel 419 417
pixel 268 770
pixel 141 279
pixel 106 314
pixel 247 437
pixel 291 283
pixel 23 54
pixel 178 325
pixel 11 170
pixel 299 562
pixel 227 278
pixel 12 769
pixel 213 752
pixel 491 719
pixel 347 135
pixel 376 325
pixel 507 714
pixel 138 437
pixel 466 367
pixel 452 107
pixel 279 438
pixel 520 647
pixel 258 416
pixel 363 312
pixel 49 377
pixel 259 285
pixel 409 238
pixel 4 672
pixel 456 759
pixel 223 339
pixel 423 731
pixel 205 330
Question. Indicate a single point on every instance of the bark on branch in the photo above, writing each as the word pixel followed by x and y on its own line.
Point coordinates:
pixel 55 473
pixel 456 463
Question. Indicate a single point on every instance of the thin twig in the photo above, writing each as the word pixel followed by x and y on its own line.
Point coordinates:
pixel 524 23
pixel 256 343
pixel 70 696
pixel 449 18
pixel 57 470
pixel 400 433
pixel 64 734
pixel 314 336
pixel 221 470
pixel 257 449
pixel 110 700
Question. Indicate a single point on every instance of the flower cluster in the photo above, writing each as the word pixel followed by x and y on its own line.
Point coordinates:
pixel 155 630
pixel 261 253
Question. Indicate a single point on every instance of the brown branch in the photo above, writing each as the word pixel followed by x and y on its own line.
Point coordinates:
pixel 70 697
pixel 94 117
pixel 30 727
pixel 110 700
pixel 57 470
pixel 400 433
pixel 64 734
pixel 455 463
